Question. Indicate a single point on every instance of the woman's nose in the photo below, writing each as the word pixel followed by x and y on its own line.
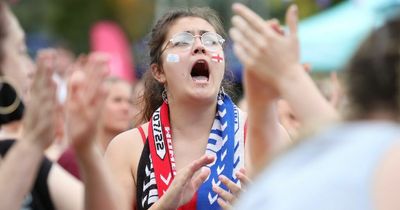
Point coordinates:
pixel 198 46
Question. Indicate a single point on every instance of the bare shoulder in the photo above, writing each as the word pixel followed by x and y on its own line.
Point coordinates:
pixel 128 141
pixel 125 149
pixel 123 155
pixel 387 182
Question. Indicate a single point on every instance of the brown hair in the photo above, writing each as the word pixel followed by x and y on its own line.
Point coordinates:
pixel 373 74
pixel 152 88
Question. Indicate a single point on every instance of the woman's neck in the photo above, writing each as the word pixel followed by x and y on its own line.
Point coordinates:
pixel 192 120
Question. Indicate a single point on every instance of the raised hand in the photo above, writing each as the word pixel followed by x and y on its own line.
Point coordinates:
pixel 38 133
pixel 86 96
pixel 261 45
pixel 41 110
pixel 185 184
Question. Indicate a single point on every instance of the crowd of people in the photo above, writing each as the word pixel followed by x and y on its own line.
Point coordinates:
pixel 178 141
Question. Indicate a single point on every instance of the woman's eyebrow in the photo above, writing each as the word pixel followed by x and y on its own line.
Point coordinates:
pixel 194 31
pixel 203 31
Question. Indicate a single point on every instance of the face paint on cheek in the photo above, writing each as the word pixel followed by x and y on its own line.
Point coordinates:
pixel 217 58
pixel 173 58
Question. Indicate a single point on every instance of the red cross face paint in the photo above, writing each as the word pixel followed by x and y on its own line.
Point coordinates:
pixel 217 58
pixel 173 58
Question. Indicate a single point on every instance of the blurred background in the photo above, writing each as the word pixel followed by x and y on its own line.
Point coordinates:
pixel 329 30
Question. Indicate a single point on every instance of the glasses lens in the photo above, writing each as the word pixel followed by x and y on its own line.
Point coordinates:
pixel 182 40
pixel 211 41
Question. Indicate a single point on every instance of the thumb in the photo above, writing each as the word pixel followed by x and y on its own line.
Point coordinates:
pixel 292 19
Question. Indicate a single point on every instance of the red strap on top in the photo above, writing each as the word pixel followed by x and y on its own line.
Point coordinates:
pixel 142 134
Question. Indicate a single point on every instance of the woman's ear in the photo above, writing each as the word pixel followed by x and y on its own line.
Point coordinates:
pixel 158 73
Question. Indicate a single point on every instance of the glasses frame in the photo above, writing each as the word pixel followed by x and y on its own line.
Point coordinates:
pixel 221 40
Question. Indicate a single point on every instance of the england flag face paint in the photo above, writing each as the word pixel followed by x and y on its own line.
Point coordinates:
pixel 217 58
pixel 173 58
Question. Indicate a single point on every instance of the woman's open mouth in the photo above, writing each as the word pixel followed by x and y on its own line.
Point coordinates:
pixel 200 71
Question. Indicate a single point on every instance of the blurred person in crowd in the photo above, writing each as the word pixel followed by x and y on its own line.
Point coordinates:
pixel 116 117
pixel 190 121
pixel 349 165
pixel 54 188
pixel 117 114
pixel 16 66
pixel 138 90
pixel 331 88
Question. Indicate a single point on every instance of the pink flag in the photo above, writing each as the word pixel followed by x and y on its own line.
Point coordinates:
pixel 107 37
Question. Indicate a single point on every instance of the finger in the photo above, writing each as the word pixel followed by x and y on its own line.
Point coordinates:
pixel 248 32
pixel 43 81
pixel 246 43
pixel 292 19
pixel 244 180
pixel 202 161
pixel 196 165
pixel 96 74
pixel 74 88
pixel 201 177
pixel 188 172
pixel 232 186
pixel 274 24
pixel 224 205
pixel 245 59
pixel 249 16
pixel 227 196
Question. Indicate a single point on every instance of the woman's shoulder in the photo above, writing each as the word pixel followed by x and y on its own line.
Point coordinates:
pixel 129 140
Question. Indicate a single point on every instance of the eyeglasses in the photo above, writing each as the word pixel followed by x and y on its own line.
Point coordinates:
pixel 185 40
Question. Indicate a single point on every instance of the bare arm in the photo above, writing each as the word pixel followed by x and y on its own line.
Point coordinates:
pixel 67 192
pixel 271 57
pixel 85 101
pixel 276 61
pixel 17 173
pixel 19 167
pixel 122 156
pixel 262 124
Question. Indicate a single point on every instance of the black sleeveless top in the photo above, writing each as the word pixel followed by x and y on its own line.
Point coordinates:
pixel 146 188
pixel 39 196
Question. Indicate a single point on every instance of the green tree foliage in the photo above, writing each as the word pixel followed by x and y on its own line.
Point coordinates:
pixel 69 21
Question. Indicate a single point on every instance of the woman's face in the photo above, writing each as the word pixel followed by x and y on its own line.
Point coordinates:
pixel 17 66
pixel 192 71
pixel 118 110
